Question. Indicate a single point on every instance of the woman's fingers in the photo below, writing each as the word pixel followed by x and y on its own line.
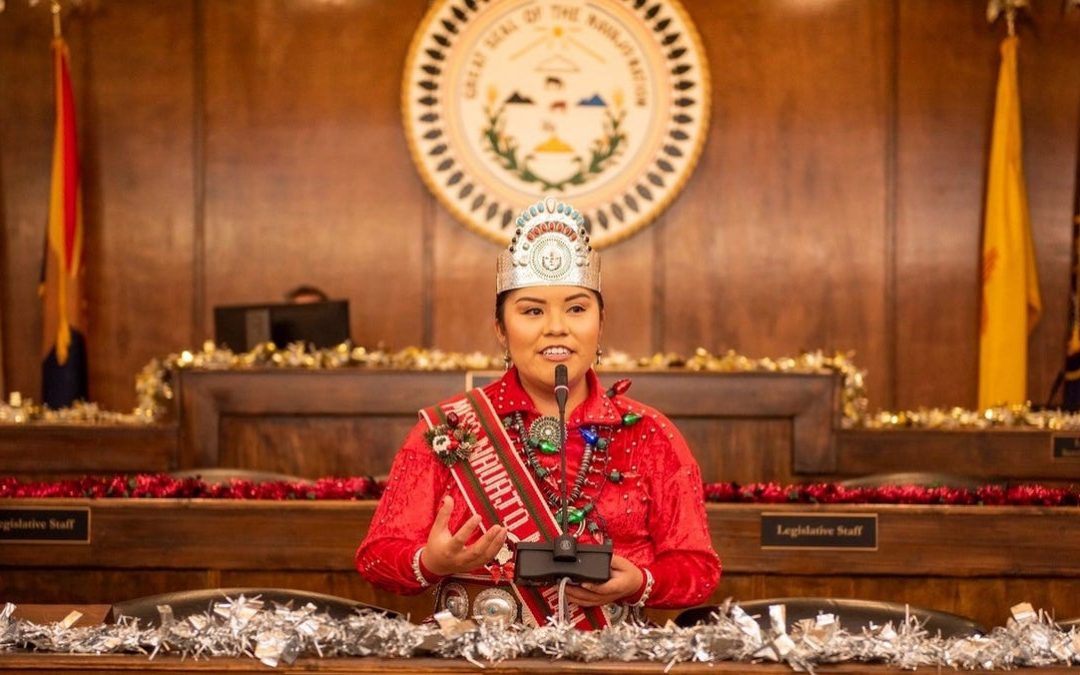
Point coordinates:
pixel 494 541
pixel 442 516
pixel 466 530
pixel 483 550
pixel 580 596
pixel 609 586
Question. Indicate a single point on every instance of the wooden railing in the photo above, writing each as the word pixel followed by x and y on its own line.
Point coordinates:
pixel 971 560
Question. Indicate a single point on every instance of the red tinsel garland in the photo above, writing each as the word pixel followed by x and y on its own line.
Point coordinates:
pixel 162 486
pixel 831 493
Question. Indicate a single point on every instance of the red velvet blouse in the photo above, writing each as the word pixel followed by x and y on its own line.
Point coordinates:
pixel 655 517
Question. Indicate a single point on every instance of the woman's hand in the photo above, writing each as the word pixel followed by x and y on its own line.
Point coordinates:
pixel 625 580
pixel 447 553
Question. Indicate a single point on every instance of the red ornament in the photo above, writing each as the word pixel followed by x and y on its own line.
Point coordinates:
pixel 619 388
pixel 452 419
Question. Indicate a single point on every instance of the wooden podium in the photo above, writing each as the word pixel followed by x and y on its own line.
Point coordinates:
pixel 743 427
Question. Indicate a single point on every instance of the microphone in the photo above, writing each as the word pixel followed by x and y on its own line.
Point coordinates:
pixel 565 543
pixel 562 390
pixel 548 562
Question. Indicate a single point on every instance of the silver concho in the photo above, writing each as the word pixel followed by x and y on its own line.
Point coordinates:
pixel 454 599
pixel 496 606
pixel 616 614
pixel 545 429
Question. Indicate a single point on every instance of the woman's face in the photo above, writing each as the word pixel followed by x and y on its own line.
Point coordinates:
pixel 549 325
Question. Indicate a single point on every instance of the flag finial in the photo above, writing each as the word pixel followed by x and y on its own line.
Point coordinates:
pixel 56 28
pixel 995 8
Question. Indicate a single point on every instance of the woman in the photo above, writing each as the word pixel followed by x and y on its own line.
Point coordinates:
pixel 480 472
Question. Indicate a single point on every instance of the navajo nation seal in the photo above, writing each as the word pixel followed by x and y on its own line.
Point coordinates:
pixel 601 102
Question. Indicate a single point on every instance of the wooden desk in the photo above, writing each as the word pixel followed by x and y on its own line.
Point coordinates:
pixel 36 664
pixel 974 561
pixel 1019 455
pixel 742 426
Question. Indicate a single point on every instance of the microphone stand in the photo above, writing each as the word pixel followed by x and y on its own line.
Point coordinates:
pixel 563 557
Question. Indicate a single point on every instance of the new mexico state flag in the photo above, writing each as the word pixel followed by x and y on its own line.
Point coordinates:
pixel 1011 304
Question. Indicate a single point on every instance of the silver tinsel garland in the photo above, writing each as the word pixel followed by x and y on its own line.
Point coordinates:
pixel 245 627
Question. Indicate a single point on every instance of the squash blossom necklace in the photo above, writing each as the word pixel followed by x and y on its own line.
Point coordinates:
pixel 542 438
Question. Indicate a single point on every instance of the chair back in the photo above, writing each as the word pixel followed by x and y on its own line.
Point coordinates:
pixel 852 614
pixel 187 603
pixel 925 479
pixel 221 474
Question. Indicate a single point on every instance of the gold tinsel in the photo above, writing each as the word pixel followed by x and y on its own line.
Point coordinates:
pixel 24 411
pixel 154 383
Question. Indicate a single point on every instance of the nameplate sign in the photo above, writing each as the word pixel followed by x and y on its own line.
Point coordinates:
pixel 44 525
pixel 823 531
pixel 1066 447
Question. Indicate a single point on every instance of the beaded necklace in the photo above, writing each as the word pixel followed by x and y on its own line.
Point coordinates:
pixel 542 437
pixel 581 498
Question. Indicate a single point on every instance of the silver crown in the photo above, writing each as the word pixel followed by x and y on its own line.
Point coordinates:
pixel 550 248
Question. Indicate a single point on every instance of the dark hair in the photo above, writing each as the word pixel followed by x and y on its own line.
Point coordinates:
pixel 500 305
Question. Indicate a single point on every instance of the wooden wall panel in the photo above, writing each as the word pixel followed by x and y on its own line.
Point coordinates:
pixel 138 182
pixel 947 68
pixel 233 150
pixel 462 279
pixel 631 279
pixel 779 242
pixel 307 174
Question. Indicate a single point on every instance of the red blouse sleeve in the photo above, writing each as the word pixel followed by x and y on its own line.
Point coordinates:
pixel 686 569
pixel 403 518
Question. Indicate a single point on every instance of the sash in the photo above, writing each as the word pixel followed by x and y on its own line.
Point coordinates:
pixel 498 486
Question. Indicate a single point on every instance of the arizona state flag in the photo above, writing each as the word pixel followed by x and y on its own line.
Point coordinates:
pixel 1011 303
pixel 63 372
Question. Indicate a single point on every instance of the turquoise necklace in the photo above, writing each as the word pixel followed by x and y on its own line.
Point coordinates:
pixel 586 489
